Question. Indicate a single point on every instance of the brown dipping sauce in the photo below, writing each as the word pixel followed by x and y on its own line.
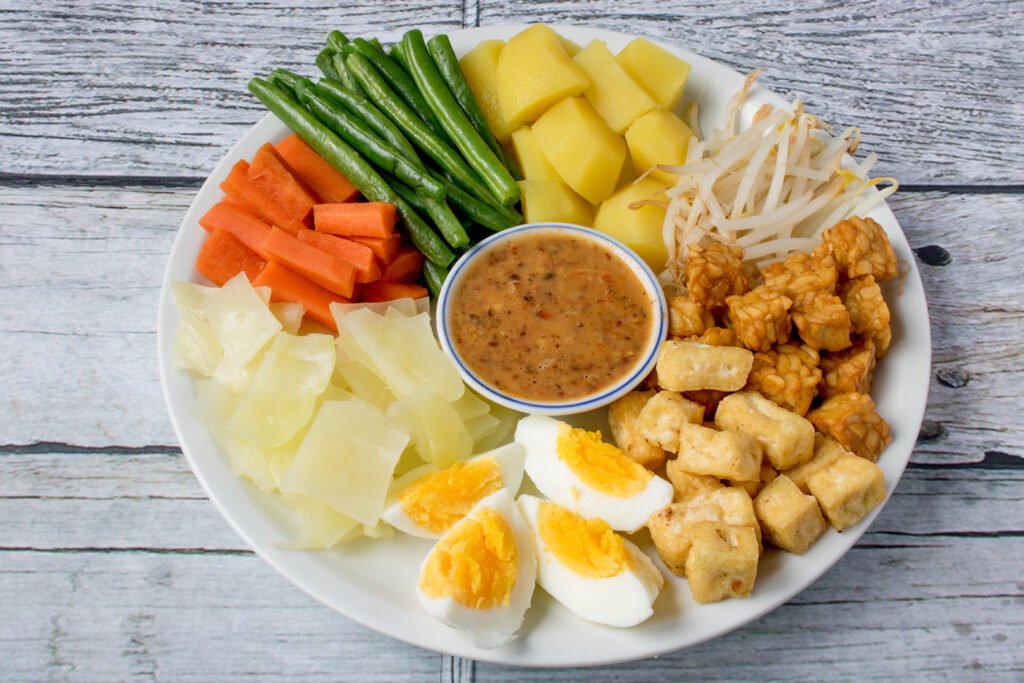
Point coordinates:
pixel 550 317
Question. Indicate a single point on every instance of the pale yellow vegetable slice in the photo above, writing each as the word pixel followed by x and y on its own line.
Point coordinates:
pixel 347 459
pixel 480 426
pixel 437 431
pixel 243 325
pixel 214 405
pixel 322 526
pixel 196 346
pixel 469 405
pixel 502 434
pixel 190 297
pixel 289 315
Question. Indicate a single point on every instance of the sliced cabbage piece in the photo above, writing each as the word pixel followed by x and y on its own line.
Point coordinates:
pixel 214 405
pixel 196 346
pixel 190 297
pixel 481 426
pixel 322 526
pixel 361 380
pixel 469 405
pixel 289 315
pixel 437 431
pixel 243 325
pixel 502 433
pixel 347 459
pixel 404 307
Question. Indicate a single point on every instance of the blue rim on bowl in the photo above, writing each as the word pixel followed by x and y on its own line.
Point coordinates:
pixel 648 358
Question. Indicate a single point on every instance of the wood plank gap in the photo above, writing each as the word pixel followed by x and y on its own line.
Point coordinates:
pixel 819 603
pixel 35 180
pixel 470 13
pixel 963 188
pixel 127 550
pixel 59 447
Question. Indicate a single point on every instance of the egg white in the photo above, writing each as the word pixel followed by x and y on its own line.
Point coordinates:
pixel 494 626
pixel 509 459
pixel 538 435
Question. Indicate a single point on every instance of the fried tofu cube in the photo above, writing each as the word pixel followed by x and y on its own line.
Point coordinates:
pixel 848 489
pixel 722 562
pixel 803 272
pixel 687 484
pixel 726 454
pixel 861 247
pixel 622 421
pixel 869 314
pixel 787 438
pixel 760 318
pixel 788 374
pixel 768 473
pixel 853 421
pixel 714 273
pixel 826 451
pixel 847 371
pixel 789 518
pixel 659 419
pixel 689 366
pixel 717 336
pixel 687 318
pixel 822 321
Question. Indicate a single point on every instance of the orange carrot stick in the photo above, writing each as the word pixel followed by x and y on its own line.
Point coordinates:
pixel 327 270
pixel 363 219
pixel 222 257
pixel 405 267
pixel 247 228
pixel 315 171
pixel 361 257
pixel 288 286
pixel 242 190
pixel 388 291
pixel 384 248
pixel 269 173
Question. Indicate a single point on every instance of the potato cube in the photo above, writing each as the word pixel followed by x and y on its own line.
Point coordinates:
pixel 687 318
pixel 760 318
pixel 690 366
pixel 722 562
pixel 848 371
pixel 687 484
pixel 803 272
pixel 789 519
pixel 860 248
pixel 714 273
pixel 582 148
pixel 622 421
pixel 822 321
pixel 768 473
pixel 852 420
pixel 728 454
pixel 787 438
pixel 553 200
pixel 826 451
pixel 848 489
pixel 615 95
pixel 659 419
pixel 529 157
pixel 658 71
pixel 480 67
pixel 787 374
pixel 533 73
pixel 658 138
pixel 640 228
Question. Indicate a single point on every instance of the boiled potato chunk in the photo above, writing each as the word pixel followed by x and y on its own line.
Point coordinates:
pixel 480 66
pixel 615 95
pixel 658 137
pixel 658 71
pixel 534 72
pixel 533 165
pixel 582 148
pixel 571 48
pixel 639 229
pixel 553 201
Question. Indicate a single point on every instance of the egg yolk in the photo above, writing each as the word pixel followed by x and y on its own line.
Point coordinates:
pixel 475 564
pixel 599 465
pixel 587 547
pixel 437 500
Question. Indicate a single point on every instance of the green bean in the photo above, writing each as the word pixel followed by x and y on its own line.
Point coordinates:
pixel 365 141
pixel 376 44
pixel 325 62
pixel 440 213
pixel 356 103
pixel 345 76
pixel 444 105
pixel 492 217
pixel 435 276
pixel 399 81
pixel 448 66
pixel 378 91
pixel 351 165
pixel 397 55
pixel 337 40
pixel 286 80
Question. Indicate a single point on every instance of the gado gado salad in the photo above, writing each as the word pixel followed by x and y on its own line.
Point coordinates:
pixel 728 330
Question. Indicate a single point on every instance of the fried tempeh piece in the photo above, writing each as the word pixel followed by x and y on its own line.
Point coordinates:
pixel 869 314
pixel 760 318
pixel 787 374
pixel 687 318
pixel 714 273
pixel 787 438
pixel 803 272
pixel 847 371
pixel 689 366
pixel 852 420
pixel 860 247
pixel 822 321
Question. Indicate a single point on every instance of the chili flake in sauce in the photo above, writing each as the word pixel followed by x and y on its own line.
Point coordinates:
pixel 550 317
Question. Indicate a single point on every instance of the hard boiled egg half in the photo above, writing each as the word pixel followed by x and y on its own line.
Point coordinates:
pixel 427 502
pixel 480 575
pixel 576 469
pixel 589 568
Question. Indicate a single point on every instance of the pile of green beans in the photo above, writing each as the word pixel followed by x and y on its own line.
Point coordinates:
pixel 404 127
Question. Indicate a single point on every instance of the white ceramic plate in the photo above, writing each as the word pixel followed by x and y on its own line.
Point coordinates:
pixel 373 582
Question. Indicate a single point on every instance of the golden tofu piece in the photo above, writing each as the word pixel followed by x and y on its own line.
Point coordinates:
pixel 788 374
pixel 822 321
pixel 803 272
pixel 727 454
pixel 687 318
pixel 847 371
pixel 768 473
pixel 869 314
pixel 826 451
pixel 714 273
pixel 659 419
pixel 760 318
pixel 689 366
pixel 787 438
pixel 686 484
pixel 789 519
pixel 848 489
pixel 622 421
pixel 852 420
pixel 722 562
pixel 860 247
pixel 717 336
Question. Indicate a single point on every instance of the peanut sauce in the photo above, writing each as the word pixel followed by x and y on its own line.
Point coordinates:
pixel 550 317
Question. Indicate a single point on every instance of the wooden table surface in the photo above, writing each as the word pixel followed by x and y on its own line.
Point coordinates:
pixel 115 566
